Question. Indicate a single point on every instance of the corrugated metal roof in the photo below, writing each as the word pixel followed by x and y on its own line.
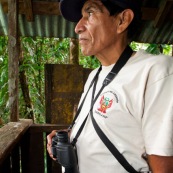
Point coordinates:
pixel 56 26
pixel 163 35
pixel 43 26
pixel 46 26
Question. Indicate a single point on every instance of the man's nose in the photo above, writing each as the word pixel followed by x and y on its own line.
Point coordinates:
pixel 80 26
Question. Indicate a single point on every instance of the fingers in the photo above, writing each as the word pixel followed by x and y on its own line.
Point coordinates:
pixel 49 143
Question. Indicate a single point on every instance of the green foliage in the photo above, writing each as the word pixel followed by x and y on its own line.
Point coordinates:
pixel 4 112
pixel 153 48
pixel 167 49
pixel 88 61
pixel 36 53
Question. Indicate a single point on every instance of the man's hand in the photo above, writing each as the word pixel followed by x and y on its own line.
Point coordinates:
pixel 160 164
pixel 49 143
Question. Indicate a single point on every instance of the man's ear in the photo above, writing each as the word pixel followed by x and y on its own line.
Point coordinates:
pixel 125 18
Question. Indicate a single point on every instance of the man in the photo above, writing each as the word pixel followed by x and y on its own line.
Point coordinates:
pixel 135 110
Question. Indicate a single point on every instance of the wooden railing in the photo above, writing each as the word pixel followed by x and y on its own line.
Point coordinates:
pixel 23 148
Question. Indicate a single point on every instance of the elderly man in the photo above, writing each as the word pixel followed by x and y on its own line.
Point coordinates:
pixel 129 99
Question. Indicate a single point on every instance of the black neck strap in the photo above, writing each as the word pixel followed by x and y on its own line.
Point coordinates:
pixel 81 105
pixel 112 74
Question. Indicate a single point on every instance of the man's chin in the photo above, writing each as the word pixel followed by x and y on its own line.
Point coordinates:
pixel 85 53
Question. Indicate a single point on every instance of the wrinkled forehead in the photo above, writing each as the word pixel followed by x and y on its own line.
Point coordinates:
pixel 96 4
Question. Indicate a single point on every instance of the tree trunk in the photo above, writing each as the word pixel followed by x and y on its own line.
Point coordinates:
pixel 74 51
pixel 25 91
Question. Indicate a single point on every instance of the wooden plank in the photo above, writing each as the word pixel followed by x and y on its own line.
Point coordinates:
pixel 10 135
pixel 25 149
pixel 66 82
pixel 37 141
pixel 15 160
pixel 48 94
pixel 28 8
pixel 6 168
pixel 32 149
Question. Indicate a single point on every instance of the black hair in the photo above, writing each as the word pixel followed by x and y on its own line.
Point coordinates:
pixel 134 26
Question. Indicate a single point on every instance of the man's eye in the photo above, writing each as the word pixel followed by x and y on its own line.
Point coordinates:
pixel 90 13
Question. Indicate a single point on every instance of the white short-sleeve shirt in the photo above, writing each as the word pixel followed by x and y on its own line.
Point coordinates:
pixel 135 111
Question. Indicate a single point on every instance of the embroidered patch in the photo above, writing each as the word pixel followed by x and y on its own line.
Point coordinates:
pixel 105 102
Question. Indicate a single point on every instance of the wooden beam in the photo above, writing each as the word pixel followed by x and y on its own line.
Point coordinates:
pixel 13 60
pixel 37 128
pixel 38 7
pixel 46 8
pixel 163 12
pixel 28 8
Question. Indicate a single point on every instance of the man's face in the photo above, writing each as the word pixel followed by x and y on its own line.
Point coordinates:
pixel 96 29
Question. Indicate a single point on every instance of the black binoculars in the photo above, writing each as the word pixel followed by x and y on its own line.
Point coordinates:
pixel 64 152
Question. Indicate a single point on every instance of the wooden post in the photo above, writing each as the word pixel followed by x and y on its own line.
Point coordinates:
pixel 74 51
pixel 13 54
